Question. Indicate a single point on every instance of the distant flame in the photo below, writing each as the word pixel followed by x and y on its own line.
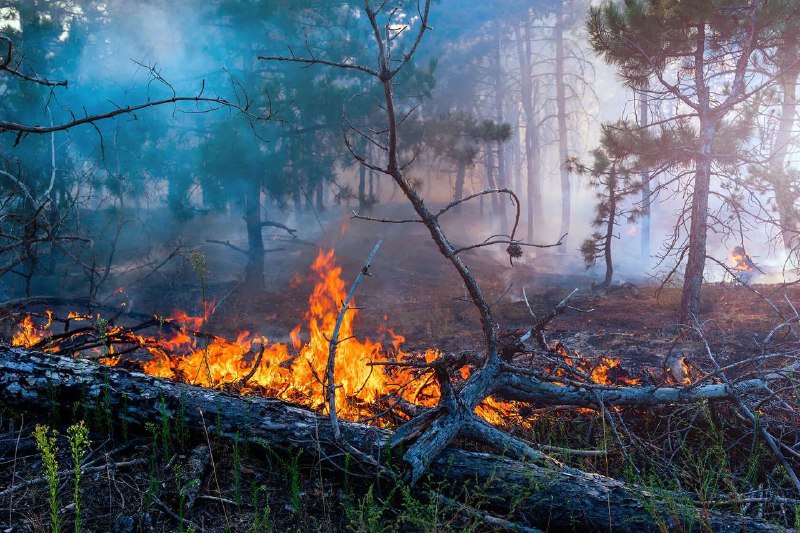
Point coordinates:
pixel 741 261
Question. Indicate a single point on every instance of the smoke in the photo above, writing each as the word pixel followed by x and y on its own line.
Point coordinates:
pixel 189 173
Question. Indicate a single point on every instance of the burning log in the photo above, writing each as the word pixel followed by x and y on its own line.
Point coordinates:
pixel 552 495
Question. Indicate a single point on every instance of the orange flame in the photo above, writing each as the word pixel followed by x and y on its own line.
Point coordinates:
pixel 297 372
pixel 741 261
pixel 29 334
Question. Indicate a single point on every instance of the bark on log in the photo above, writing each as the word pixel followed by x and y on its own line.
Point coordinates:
pixel 563 499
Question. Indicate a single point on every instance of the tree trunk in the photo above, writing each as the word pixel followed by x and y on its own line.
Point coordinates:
pixel 499 98
pixel 698 231
pixel 320 196
pixel 529 95
pixel 612 218
pixel 561 104
pixel 645 237
pixel 781 183
pixel 557 498
pixel 490 179
pixel 458 193
pixel 254 270
pixel 362 187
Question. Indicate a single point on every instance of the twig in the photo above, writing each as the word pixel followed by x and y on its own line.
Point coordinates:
pixel 541 324
pixel 214 468
pixel 175 516
pixel 490 520
pixel 256 364
pixel 770 440
pixel 334 342
pixel 64 473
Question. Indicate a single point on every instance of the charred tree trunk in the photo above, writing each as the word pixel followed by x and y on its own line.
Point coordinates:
pixel 558 498
pixel 698 230
pixel 461 172
pixel 612 219
pixel 490 178
pixel 320 196
pixel 561 104
pixel 362 187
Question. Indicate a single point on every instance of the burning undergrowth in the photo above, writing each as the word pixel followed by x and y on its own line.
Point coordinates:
pixel 376 379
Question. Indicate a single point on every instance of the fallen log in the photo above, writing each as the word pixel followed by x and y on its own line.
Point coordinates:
pixel 555 498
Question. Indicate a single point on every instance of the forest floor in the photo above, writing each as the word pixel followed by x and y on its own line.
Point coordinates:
pixel 134 480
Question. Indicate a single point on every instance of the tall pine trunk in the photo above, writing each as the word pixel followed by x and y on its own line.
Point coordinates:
pixel 362 187
pixel 458 193
pixel 499 97
pixel 561 105
pixel 529 95
pixel 645 237
pixel 781 183
pixel 612 219
pixel 698 232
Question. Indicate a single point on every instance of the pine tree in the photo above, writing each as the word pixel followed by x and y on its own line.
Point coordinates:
pixel 696 55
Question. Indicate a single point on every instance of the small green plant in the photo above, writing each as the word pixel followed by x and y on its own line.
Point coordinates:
pixel 46 444
pixel 54 413
pixel 105 419
pixel 367 515
pixel 293 477
pixel 419 515
pixel 200 266
pixel 78 438
pixel 101 327
pixel 152 482
pixel 797 516
pixel 183 490
pixel 165 430
pixel 262 521
pixel 347 473
pixel 237 469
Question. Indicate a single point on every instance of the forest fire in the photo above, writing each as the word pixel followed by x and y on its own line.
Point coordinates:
pixel 743 266
pixel 295 372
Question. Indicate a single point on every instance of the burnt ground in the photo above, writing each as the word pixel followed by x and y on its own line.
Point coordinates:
pixel 414 291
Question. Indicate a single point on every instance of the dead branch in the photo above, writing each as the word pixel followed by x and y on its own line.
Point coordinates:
pixel 22 128
pixel 334 343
